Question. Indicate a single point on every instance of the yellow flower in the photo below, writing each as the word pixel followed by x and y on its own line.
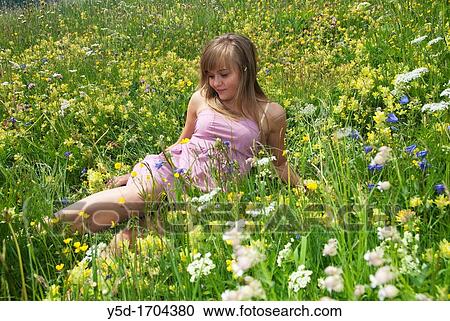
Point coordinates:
pixel 311 184
pixel 76 245
pixel 59 267
pixel 444 249
pixel 113 224
pixel 380 117
pixel 404 216
pixel 415 201
pixel 185 140
pixel 229 268
pixel 84 247
pixel 285 152
pixel 118 166
pixel 83 214
pixel 176 175
pixel 121 200
pixel 305 138
pixel 441 201
pixel 133 174
pixel 67 240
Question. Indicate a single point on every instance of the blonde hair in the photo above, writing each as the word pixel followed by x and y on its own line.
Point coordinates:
pixel 227 50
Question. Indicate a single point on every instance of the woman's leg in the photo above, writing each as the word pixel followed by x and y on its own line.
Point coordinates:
pixel 100 210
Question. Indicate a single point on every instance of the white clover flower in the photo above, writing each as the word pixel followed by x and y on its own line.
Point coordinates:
pixel 382 275
pixel 434 41
pixel 330 249
pixel 64 105
pixel 359 290
pixel 409 76
pixel 375 258
pixel 246 257
pixel 252 290
pixel 284 252
pixel 419 39
pixel 333 283
pixel 435 107
pixel 423 297
pixel 200 266
pixel 383 186
pixel 445 93
pixel 308 110
pixel 383 155
pixel 299 279
pixel 263 161
pixel 387 292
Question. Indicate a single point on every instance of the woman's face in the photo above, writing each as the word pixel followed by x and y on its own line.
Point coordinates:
pixel 225 81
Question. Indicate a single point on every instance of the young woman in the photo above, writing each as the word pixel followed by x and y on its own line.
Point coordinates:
pixel 228 119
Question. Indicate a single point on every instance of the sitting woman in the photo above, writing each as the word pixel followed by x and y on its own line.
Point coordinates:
pixel 228 109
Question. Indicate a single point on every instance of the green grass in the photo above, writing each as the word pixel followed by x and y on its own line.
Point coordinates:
pixel 126 71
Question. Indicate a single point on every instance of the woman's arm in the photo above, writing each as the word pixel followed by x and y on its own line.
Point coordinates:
pixel 275 141
pixel 191 118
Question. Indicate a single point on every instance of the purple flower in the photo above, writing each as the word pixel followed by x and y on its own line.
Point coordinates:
pixel 370 186
pixel 422 153
pixel 423 164
pixel 391 118
pixel 439 188
pixel 355 134
pixel 83 171
pixel 180 170
pixel 368 149
pixel 404 100
pixel 409 149
pixel 375 167
pixel 159 163
pixel 67 154
pixel 13 120
pixel 227 143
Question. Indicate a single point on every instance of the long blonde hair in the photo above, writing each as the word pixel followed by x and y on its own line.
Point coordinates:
pixel 234 49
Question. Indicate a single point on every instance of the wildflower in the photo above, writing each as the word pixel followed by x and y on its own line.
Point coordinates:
pixel 410 149
pixel 200 266
pixel 439 188
pixel 422 153
pixel 67 240
pixel 404 216
pixel 299 279
pixel 370 186
pixel 445 93
pixel 375 258
pixel 121 200
pixel 382 275
pixel 83 214
pixel 311 184
pixel 246 257
pixel 435 106
pixel 330 249
pixel 305 138
pixel 333 281
pixel 422 297
pixel 383 155
pixel 264 211
pixel 67 154
pixel 404 100
pixel 185 140
pixel 260 162
pixel 284 252
pixel 57 75
pixel 389 291
pixel 388 233
pixel 375 167
pixel 379 117
pixel 409 76
pixel 178 172
pixel 368 149
pixel 59 267
pixel 118 166
pixel 133 174
pixel 391 118
pixel 419 39
pixel 441 201
pixel 359 290
pixel 434 41
pixel 423 164
pixel 415 201
pixel 205 198
pixel 383 186
pixel 64 105
pixel 252 290
pixel 444 249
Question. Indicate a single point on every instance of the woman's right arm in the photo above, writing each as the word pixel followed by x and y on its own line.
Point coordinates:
pixel 191 118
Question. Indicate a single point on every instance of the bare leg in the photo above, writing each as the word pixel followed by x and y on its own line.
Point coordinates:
pixel 100 210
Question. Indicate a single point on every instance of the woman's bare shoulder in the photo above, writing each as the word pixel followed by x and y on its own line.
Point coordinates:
pixel 196 102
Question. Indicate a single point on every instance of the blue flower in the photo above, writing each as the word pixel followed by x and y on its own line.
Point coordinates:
pixel 159 163
pixel 354 134
pixel 227 143
pixel 439 188
pixel 391 118
pixel 67 154
pixel 423 164
pixel 13 120
pixel 180 170
pixel 368 149
pixel 371 186
pixel 83 171
pixel 422 153
pixel 409 149
pixel 375 167
pixel 404 100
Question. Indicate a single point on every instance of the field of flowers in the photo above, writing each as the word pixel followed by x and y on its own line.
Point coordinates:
pixel 88 88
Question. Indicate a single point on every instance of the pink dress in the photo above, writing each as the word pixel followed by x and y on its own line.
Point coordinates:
pixel 218 148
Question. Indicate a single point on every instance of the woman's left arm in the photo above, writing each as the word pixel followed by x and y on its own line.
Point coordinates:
pixel 275 141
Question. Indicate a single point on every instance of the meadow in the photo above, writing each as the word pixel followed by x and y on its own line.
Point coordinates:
pixel 88 88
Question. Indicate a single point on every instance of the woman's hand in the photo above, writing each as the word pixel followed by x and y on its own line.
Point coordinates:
pixel 117 181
